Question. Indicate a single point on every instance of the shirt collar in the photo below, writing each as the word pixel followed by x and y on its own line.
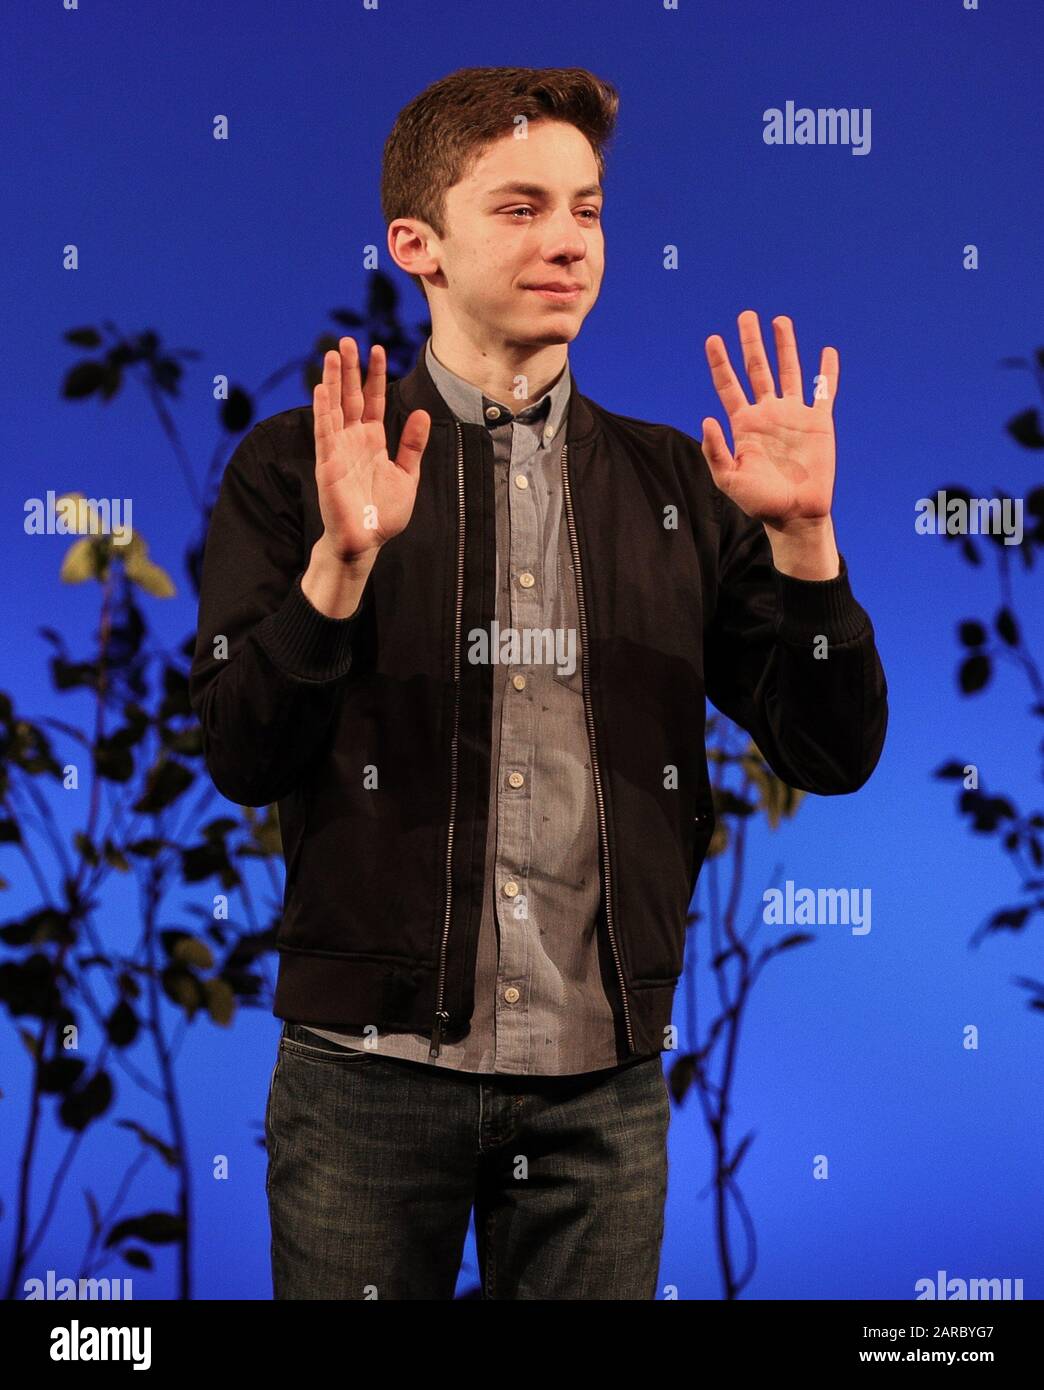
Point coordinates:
pixel 472 407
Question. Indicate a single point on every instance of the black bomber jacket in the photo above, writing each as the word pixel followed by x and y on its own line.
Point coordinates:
pixel 372 732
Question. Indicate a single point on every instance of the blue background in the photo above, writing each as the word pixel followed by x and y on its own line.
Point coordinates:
pixel 853 1047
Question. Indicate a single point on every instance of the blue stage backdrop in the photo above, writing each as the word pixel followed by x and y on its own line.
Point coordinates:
pixel 891 1076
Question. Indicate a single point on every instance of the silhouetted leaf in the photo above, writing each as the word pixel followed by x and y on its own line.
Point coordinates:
pixel 147 848
pixel 183 988
pixel 681 1075
pixel 727 803
pixel 383 296
pixel 1024 428
pixel 122 1025
pixel 1007 628
pixel 80 1107
pixel 974 673
pixel 164 784
pixel 155 1228
pixel 950 770
pixel 113 760
pixel 83 337
pixel 60 1074
pixel 189 950
pixel 237 411
pixel 986 811
pixel 221 1002
pixel 971 633
pixel 1009 919
pixel 84 380
pixel 167 1152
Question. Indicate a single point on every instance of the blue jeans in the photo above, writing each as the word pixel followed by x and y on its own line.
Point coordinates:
pixel 374 1164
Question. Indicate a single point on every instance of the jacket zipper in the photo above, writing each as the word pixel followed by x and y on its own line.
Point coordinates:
pixel 441 1016
pixel 574 547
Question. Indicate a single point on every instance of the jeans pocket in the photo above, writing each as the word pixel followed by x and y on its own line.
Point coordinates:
pixel 299 1041
pixel 270 1136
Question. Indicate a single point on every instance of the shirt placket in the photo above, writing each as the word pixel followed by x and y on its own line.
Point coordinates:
pixel 524 602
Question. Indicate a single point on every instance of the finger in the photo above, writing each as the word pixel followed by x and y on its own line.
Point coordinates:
pixel 787 357
pixel 730 392
pixel 351 381
pixel 826 383
pixel 715 450
pixel 376 381
pixel 755 357
pixel 324 426
pixel 332 383
pixel 413 441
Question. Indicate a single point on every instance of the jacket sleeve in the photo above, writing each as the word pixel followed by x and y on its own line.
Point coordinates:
pixel 816 709
pixel 267 666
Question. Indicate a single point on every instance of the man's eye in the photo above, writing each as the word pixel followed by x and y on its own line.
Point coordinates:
pixel 591 213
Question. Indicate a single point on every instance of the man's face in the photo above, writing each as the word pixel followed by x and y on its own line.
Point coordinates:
pixel 526 215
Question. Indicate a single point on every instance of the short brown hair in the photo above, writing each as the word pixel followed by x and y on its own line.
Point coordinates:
pixel 440 133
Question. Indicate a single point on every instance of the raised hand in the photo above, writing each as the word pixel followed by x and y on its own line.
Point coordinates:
pixel 365 498
pixel 781 470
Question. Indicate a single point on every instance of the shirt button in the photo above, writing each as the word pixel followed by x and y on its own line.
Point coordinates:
pixel 510 888
pixel 516 779
pixel 492 412
pixel 549 433
pixel 512 995
pixel 521 481
pixel 526 579
pixel 519 682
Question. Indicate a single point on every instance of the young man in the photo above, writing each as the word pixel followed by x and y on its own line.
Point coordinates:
pixel 462 628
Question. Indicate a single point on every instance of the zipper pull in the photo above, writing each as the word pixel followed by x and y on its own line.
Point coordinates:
pixel 441 1019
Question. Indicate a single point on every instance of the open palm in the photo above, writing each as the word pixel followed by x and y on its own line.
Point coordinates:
pixel 365 498
pixel 781 469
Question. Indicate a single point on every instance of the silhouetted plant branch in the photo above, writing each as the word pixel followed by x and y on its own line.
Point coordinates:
pixel 743 786
pixel 985 645
pixel 145 759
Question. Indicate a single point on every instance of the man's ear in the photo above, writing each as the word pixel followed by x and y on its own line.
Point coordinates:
pixel 413 246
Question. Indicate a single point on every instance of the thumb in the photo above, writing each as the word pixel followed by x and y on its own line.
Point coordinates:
pixel 715 450
pixel 413 441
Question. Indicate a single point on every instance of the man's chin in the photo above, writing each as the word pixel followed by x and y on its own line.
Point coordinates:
pixel 549 329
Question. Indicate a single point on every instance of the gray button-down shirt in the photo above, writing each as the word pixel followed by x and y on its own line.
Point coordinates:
pixel 540 1006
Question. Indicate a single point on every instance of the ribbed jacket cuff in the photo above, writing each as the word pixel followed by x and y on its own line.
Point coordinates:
pixel 304 642
pixel 818 607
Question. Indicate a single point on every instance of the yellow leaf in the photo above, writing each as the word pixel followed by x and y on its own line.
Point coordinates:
pixel 79 563
pixel 221 1002
pixel 191 951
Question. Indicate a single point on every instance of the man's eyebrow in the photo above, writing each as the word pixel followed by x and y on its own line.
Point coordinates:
pixel 536 190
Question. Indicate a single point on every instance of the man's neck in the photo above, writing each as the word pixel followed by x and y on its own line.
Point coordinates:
pixel 496 368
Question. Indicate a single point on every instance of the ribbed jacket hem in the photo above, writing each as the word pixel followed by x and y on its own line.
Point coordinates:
pixel 818 607
pixel 304 642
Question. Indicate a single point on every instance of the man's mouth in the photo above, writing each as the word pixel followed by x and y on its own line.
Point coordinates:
pixel 556 296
